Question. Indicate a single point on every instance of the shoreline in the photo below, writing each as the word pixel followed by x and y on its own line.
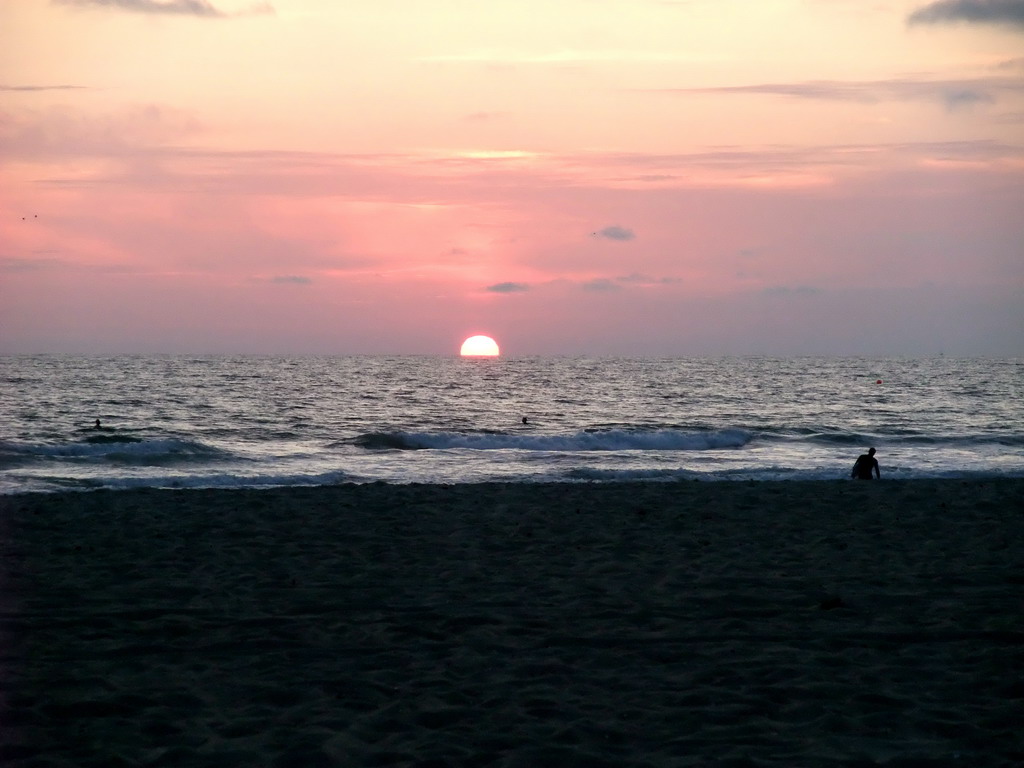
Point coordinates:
pixel 811 623
pixel 675 482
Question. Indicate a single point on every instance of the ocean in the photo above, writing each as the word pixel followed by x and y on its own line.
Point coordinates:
pixel 223 421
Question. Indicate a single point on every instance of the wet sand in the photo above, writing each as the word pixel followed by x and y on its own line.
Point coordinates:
pixel 686 624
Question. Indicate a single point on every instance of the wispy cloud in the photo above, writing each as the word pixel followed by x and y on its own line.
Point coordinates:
pixel 155 147
pixel 508 288
pixel 601 285
pixel 952 93
pixel 198 8
pixel 44 263
pixel 624 282
pixel 1010 118
pixel 564 56
pixel 30 88
pixel 790 291
pixel 291 280
pixel 640 279
pixel 774 159
pixel 1011 64
pixel 967 98
pixel 12 264
pixel 1003 12
pixel 68 132
pixel 615 232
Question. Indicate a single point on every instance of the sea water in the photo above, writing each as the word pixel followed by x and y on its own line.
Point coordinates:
pixel 270 421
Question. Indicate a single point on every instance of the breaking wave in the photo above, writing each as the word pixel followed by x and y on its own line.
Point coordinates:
pixel 611 440
pixel 124 450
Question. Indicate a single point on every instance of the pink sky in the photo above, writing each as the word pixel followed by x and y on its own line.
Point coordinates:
pixel 584 177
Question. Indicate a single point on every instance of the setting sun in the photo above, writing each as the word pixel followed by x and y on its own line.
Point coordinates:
pixel 479 346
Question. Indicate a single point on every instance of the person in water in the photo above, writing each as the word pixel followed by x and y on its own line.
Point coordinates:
pixel 866 464
pixel 97 424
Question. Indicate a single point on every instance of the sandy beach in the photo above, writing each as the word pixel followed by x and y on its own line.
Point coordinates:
pixel 684 624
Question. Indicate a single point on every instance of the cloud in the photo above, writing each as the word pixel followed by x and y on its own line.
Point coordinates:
pixel 508 288
pixel 789 291
pixel 968 98
pixel 49 263
pixel 12 264
pixel 156 148
pixel 24 88
pixel 601 285
pixel 67 132
pixel 952 93
pixel 566 56
pixel 291 280
pixel 637 278
pixel 737 163
pixel 1005 12
pixel 198 8
pixel 615 232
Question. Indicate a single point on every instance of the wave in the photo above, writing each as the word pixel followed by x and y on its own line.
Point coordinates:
pixel 95 439
pixel 665 439
pixel 610 440
pixel 122 450
pixel 227 480
pixel 906 437
pixel 594 474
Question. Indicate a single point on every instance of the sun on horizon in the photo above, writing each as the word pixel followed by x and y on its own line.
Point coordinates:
pixel 479 346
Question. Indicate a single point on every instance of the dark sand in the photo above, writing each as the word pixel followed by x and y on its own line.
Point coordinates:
pixel 690 624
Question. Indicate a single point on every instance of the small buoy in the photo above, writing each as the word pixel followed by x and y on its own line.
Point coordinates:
pixel 879 381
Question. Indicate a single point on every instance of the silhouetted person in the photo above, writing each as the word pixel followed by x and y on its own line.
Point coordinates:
pixel 524 419
pixel 866 464
pixel 97 425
